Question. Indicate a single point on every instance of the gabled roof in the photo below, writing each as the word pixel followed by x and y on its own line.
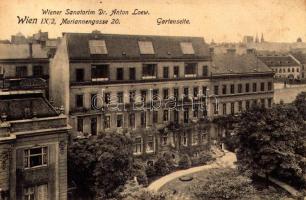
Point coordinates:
pixel 231 63
pixel 278 61
pixel 17 106
pixel 301 57
pixel 21 51
pixel 125 47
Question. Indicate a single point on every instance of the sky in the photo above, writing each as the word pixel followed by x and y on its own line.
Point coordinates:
pixel 222 20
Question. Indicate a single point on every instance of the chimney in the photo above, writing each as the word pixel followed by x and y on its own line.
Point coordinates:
pixel 30 49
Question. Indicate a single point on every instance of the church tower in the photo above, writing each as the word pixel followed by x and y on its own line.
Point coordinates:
pixel 262 38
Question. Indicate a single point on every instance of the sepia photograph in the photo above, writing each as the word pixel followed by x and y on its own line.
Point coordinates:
pixel 152 100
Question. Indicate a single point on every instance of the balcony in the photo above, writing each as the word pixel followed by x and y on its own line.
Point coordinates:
pixel 23 84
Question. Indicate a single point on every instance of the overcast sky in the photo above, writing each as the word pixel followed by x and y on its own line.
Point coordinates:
pixel 222 20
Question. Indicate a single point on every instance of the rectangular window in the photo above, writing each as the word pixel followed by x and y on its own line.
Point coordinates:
pixel 149 71
pixel 132 95
pixel 262 103
pixel 176 71
pixel 184 139
pixel 186 116
pixel 205 70
pixel 166 115
pixel 143 119
pixel 186 92
pixel 79 75
pixel 132 73
pixel 196 111
pixel 176 116
pixel 190 69
pixel 119 121
pixel 97 47
pixel 195 138
pixel 216 108
pixel 166 93
pixel 166 72
pixel 232 88
pixel 146 47
pixel 107 98
pixel 99 73
pixel 204 90
pixel 132 120
pixel 119 73
pixel 270 102
pixel 239 106
pixel 187 48
pixel 39 192
pixel 150 144
pixel 35 157
pixel 155 116
pixel 93 125
pixel 223 89
pixel 224 109
pixel 262 86
pixel 143 94
pixel 164 139
pixel 239 88
pixel 138 145
pixel 155 94
pixel 247 87
pixel 79 101
pixel 269 86
pixel 120 97
pixel 254 87
pixel 233 108
pixel 247 105
pixel 21 71
pixel 107 122
pixel 195 91
pixel 176 93
pixel 216 90
pixel 37 71
pixel 80 124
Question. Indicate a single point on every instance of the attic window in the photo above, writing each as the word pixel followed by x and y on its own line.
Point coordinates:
pixel 97 47
pixel 187 48
pixel 146 47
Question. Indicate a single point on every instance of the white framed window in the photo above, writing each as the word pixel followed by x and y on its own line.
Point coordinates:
pixel 184 139
pixel 150 144
pixel 97 47
pixel 39 192
pixel 164 139
pixel 187 48
pixel 137 146
pixel 146 47
pixel 107 122
pixel 119 121
pixel 195 138
pixel 35 157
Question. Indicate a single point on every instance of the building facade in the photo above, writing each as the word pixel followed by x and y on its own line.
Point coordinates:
pixel 157 88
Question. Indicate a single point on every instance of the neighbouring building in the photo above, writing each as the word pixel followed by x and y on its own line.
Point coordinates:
pixel 301 57
pixel 33 148
pixel 109 82
pixel 24 67
pixel 284 65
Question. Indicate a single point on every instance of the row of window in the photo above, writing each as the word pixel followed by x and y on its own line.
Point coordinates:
pixel 22 71
pixel 149 147
pixel 145 47
pixel 283 70
pixel 145 95
pixel 239 106
pixel 149 71
pixel 242 88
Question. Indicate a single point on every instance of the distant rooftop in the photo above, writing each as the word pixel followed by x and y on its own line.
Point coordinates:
pixel 21 51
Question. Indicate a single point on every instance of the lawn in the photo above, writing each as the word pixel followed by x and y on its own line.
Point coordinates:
pixel 263 191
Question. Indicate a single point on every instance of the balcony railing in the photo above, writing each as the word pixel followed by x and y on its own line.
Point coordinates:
pixel 23 83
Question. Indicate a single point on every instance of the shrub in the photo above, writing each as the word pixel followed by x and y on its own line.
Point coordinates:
pixel 184 162
pixel 205 157
pixel 161 166
pixel 150 171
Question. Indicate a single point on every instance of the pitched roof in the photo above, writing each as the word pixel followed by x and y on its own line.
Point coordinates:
pixel 21 51
pixel 15 106
pixel 301 57
pixel 126 47
pixel 230 63
pixel 278 61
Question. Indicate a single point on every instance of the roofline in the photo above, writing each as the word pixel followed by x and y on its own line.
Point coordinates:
pixel 114 60
pixel 222 75
pixel 131 35
pixel 25 60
